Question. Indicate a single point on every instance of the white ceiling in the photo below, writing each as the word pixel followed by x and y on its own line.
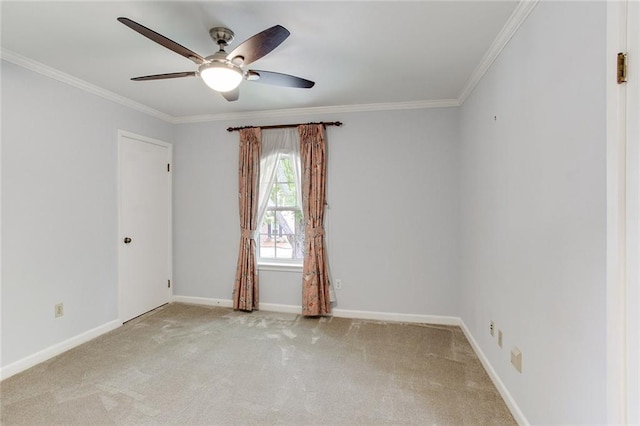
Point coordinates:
pixel 362 53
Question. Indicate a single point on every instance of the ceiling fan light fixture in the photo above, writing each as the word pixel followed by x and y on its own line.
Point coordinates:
pixel 224 72
pixel 221 76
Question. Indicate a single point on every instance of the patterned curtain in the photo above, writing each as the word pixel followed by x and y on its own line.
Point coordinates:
pixel 245 290
pixel 315 276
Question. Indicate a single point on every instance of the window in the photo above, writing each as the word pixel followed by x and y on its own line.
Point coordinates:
pixel 281 227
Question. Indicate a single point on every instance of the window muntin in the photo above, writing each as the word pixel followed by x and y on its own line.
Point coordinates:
pixel 281 236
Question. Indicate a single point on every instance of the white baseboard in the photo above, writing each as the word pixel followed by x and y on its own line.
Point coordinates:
pixel 223 303
pixel 339 313
pixel 396 317
pixel 276 307
pixel 45 354
pixel 228 303
pixel 504 392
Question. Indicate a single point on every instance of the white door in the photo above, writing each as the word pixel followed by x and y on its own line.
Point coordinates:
pixel 145 224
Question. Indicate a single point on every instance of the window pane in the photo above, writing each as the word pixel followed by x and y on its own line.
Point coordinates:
pixel 267 246
pixel 286 194
pixel 272 200
pixel 277 246
pixel 282 235
pixel 285 169
pixel 286 220
pixel 282 230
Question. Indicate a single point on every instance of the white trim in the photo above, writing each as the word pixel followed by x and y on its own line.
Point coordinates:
pixel 63 77
pixel 338 313
pixel 616 221
pixel 518 415
pixel 170 222
pixel 206 301
pixel 48 353
pixel 280 267
pixel 512 25
pixel 292 112
pixel 141 138
pixel 397 317
pixel 632 391
pixel 277 307
pixel 55 74
pixel 228 303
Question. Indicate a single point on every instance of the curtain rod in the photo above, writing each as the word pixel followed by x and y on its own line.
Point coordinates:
pixel 284 126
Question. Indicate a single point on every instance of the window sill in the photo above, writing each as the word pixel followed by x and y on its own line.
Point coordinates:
pixel 281 267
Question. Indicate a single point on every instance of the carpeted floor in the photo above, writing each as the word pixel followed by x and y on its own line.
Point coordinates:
pixel 186 364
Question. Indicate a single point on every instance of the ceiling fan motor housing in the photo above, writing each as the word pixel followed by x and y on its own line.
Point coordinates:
pixel 221 35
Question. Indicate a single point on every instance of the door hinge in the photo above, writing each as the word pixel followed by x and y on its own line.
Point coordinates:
pixel 168 167
pixel 622 68
pixel 168 283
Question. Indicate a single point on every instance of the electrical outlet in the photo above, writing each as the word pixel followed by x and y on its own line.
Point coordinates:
pixel 500 338
pixel 338 284
pixel 516 359
pixel 58 310
pixel 492 328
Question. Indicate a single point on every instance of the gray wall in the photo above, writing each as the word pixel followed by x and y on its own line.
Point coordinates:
pixel 533 203
pixel 59 208
pixel 392 218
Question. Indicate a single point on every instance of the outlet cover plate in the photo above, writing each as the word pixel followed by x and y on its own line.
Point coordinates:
pixel 516 359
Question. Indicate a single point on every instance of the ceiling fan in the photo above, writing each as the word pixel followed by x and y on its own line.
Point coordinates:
pixel 222 71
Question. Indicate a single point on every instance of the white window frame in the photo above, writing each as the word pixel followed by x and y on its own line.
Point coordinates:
pixel 270 263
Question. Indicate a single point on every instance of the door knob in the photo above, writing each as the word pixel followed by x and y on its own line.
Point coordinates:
pixel 127 240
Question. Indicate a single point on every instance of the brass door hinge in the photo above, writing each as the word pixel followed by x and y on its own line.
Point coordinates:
pixel 622 68
pixel 168 283
pixel 168 167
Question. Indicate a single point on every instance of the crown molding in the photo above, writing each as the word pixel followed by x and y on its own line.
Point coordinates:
pixel 286 113
pixel 519 15
pixel 55 74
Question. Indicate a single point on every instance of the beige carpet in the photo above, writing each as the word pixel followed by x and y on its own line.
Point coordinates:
pixel 185 364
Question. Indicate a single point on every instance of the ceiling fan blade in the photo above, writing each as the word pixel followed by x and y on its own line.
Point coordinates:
pixel 231 95
pixel 165 76
pixel 162 40
pixel 278 79
pixel 260 44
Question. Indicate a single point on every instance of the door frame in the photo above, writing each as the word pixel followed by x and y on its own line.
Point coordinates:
pixel 632 276
pixel 122 135
pixel 623 221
